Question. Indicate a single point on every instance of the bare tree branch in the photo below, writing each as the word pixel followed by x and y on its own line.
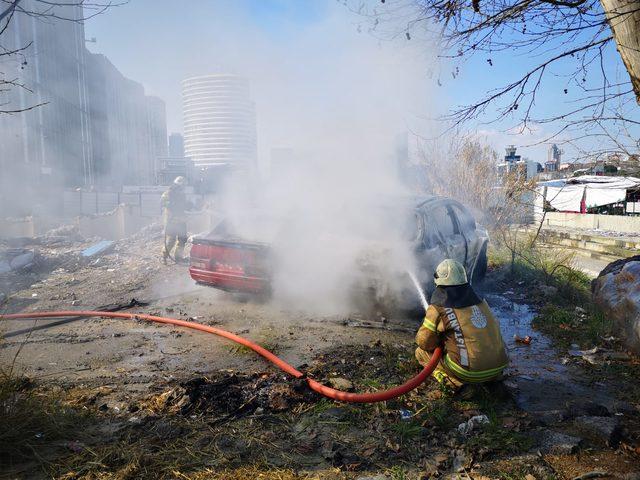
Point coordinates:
pixel 557 36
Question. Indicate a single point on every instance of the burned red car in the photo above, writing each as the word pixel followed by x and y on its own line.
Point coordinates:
pixel 433 228
pixel 230 265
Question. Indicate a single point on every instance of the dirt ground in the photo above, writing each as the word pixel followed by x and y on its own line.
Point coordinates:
pixel 105 350
pixel 154 401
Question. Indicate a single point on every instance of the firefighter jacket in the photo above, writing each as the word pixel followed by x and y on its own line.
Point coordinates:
pixel 174 205
pixel 463 324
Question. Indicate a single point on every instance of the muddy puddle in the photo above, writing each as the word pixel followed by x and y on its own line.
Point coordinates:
pixel 541 379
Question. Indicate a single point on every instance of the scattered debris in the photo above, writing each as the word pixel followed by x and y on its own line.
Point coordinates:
pixel 460 461
pixel 341 384
pixel 99 248
pixel 405 414
pixel 524 340
pixel 472 424
pixel 599 355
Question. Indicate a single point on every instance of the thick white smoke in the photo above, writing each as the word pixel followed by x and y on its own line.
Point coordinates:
pixel 341 101
pixel 325 88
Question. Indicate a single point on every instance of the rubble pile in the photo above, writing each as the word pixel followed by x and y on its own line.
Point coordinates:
pixel 64 258
pixel 25 261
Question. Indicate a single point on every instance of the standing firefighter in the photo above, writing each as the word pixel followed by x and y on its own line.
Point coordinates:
pixel 462 324
pixel 174 205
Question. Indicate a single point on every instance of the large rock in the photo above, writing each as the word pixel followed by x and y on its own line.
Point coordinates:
pixel 23 260
pixel 617 292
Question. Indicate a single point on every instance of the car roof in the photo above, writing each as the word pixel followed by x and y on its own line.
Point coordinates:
pixel 431 201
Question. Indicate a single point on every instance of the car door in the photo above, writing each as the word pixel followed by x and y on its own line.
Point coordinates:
pixel 467 228
pixel 452 243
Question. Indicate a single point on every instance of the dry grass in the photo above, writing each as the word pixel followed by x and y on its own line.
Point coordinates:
pixel 32 423
pixel 184 458
pixel 243 473
pixel 251 473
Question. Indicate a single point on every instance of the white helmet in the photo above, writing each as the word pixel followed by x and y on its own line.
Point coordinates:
pixel 180 181
pixel 450 273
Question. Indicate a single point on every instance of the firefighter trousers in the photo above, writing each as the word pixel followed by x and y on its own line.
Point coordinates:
pixel 440 373
pixel 175 236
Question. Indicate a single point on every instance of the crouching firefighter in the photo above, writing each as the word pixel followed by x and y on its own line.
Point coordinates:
pixel 174 206
pixel 462 324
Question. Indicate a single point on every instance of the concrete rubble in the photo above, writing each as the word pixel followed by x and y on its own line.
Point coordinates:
pixel 63 256
pixel 472 424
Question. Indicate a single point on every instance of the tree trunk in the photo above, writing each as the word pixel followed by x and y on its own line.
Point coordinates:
pixel 624 20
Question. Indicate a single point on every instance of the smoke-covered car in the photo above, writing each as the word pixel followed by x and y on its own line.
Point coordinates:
pixel 425 229
pixel 446 229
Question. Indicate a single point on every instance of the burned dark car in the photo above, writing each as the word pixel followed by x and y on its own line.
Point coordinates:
pixel 446 229
pixel 426 229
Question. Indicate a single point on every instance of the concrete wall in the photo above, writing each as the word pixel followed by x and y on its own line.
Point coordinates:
pixel 17 227
pixel 133 221
pixel 110 226
pixel 76 202
pixel 614 223
pixel 121 222
pixel 125 220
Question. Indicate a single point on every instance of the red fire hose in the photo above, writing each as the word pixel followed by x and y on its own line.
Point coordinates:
pixel 281 364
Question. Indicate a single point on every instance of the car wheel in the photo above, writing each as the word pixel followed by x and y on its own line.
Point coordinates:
pixel 481 266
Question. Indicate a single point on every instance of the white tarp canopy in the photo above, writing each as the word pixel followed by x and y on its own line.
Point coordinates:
pixel 566 195
pixel 594 181
pixel 565 199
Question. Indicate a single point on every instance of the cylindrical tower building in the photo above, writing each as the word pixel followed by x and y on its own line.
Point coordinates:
pixel 219 121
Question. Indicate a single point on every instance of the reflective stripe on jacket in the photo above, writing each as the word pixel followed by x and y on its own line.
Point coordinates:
pixel 471 337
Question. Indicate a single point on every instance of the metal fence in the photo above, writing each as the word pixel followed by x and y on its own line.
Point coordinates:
pixel 92 203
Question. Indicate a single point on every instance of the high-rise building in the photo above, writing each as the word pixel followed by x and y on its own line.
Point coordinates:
pixel 516 165
pixel 129 129
pixel 175 164
pixel 157 127
pixel 511 156
pixel 554 158
pixel 176 145
pixel 219 122
pixel 78 122
pixel 49 144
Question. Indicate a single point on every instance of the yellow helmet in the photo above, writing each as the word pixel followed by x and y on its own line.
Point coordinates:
pixel 450 273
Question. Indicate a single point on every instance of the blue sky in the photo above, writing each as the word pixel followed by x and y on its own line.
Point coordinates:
pixel 160 42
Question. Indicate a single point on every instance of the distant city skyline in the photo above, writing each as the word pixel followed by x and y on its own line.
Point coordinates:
pixel 225 37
